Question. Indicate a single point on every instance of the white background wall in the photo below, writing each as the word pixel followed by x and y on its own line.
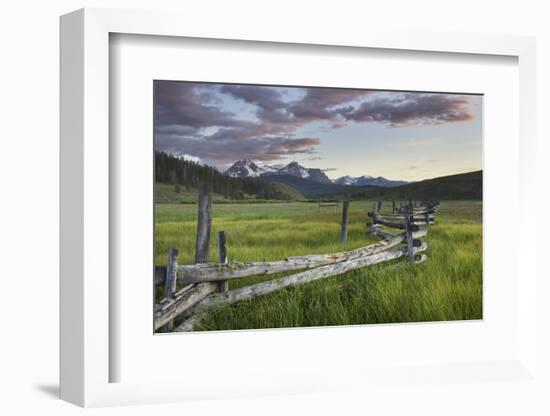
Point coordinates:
pixel 29 185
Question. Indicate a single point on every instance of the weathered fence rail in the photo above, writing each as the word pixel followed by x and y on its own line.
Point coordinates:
pixel 188 297
pixel 197 273
pixel 204 285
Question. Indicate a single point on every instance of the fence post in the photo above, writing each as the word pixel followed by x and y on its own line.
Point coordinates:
pixel 319 204
pixel 408 234
pixel 171 273
pixel 204 223
pixel 170 283
pixel 379 206
pixel 222 258
pixel 393 206
pixel 345 207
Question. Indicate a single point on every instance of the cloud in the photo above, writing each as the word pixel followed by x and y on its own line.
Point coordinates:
pixel 175 129
pixel 411 109
pixel 178 104
pixel 315 105
pixel 245 130
pixel 319 103
pixel 267 98
pixel 223 152
pixel 200 119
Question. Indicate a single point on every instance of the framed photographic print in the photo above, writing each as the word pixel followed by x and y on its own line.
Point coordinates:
pixel 300 213
pixel 279 175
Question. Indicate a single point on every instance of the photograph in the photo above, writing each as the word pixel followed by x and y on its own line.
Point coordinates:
pixel 285 206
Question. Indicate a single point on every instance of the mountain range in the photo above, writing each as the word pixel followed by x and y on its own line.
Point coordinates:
pixel 368 180
pixel 246 168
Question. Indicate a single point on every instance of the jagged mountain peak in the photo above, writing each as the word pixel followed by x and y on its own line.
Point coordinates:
pixel 244 168
pixel 247 168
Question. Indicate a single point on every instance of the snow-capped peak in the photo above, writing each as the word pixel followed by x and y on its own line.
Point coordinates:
pixel 295 169
pixel 346 180
pixel 244 168
pixel 247 168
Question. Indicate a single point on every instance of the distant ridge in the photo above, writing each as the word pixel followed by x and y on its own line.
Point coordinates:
pixel 313 189
pixel 368 180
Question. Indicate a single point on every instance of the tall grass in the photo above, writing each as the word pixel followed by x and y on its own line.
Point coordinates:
pixel 447 287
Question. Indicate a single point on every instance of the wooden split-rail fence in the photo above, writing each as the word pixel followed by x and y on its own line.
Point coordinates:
pixel 204 286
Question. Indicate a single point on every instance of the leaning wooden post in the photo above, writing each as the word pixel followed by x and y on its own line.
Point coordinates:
pixel 393 206
pixel 379 206
pixel 345 207
pixel 204 223
pixel 171 273
pixel 222 258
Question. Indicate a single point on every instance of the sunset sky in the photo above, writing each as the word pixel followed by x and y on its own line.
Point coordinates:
pixel 398 135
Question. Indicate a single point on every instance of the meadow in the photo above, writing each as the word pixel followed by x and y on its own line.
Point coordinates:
pixel 446 287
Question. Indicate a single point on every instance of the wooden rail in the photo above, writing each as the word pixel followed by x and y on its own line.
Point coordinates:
pixel 182 301
pixel 418 215
pixel 378 219
pixel 196 273
pixel 330 270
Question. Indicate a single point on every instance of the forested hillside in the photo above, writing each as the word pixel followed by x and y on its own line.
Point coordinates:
pixel 189 175
pixel 462 186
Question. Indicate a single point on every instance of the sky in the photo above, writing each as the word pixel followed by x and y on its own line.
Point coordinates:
pixel 394 134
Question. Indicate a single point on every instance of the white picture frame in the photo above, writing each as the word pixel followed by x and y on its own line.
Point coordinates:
pixel 85 210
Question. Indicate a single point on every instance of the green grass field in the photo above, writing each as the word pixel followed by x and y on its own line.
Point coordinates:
pixel 446 287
